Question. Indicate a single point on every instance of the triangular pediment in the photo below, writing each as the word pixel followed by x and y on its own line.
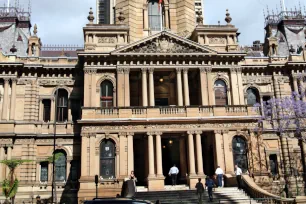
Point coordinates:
pixel 164 43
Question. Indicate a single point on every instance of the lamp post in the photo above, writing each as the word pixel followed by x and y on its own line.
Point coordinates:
pixel 54 197
pixel 96 181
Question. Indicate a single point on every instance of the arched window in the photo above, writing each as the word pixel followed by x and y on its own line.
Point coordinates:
pixel 252 96
pixel 220 93
pixel 60 166
pixel 240 153
pixel 154 15
pixel 107 159
pixel 106 94
pixel 62 105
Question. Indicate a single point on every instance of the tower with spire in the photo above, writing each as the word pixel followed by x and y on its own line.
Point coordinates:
pixel 285 31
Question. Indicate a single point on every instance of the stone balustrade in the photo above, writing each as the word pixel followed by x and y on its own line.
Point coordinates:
pixel 168 112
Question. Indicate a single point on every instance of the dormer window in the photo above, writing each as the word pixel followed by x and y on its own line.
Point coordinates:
pixel 155 17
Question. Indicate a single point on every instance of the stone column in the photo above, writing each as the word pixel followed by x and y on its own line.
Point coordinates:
pixel 41 107
pixel 167 16
pixel 145 19
pixel 130 152
pixel 210 87
pixel 9 156
pixel 13 99
pixel 87 87
pixel 192 171
pixel 179 87
pixel 37 172
pixel 295 85
pixel 151 87
pixel 240 86
pixel 144 87
pixel 183 159
pixel 285 154
pixel 84 156
pixel 120 87
pixel 1 165
pixel 204 92
pixel 52 109
pixel 186 87
pixel 5 99
pixel 93 88
pixel 218 150
pixel 234 87
pixel 151 155
pixel 127 87
pixel 200 170
pixel 159 162
pixel 68 168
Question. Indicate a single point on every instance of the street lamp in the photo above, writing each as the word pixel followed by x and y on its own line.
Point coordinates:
pixel 54 197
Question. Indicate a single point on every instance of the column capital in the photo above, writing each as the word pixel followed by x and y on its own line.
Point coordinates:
pixel 14 80
pixel 126 70
pixel 198 132
pixel 178 70
pixel 208 69
pixel 235 69
pixel 150 133
pixel 190 132
pixel 151 70
pixel 157 133
pixel 218 131
pixel 144 70
pixel 129 134
pixel 122 134
pixel 225 131
pixel 185 70
pixel 6 80
pixel 202 69
pixel 120 70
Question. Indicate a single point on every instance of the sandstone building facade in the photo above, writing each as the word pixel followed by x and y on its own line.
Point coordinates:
pixel 154 89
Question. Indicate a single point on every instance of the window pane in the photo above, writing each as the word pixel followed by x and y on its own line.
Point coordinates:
pixel 106 94
pixel 252 96
pixel 44 172
pixel 46 110
pixel 154 15
pixel 220 93
pixel 60 168
pixel 107 159
pixel 239 147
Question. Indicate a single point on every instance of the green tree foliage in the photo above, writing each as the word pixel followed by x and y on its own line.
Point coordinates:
pixel 10 184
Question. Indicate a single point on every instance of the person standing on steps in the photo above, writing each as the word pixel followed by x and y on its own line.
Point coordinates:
pixel 219 172
pixel 200 190
pixel 173 173
pixel 238 173
pixel 209 184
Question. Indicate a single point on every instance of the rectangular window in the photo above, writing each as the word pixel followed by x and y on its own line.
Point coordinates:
pixel 46 110
pixel 44 171
pixel 154 16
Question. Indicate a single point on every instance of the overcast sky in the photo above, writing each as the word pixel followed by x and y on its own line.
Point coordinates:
pixel 61 21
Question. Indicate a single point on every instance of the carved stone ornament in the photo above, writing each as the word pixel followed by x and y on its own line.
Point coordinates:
pixel 55 82
pixel 217 40
pixel 256 80
pixel 24 81
pixel 182 127
pixel 165 44
pixel 107 40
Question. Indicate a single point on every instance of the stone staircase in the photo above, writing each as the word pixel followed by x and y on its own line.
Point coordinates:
pixel 220 195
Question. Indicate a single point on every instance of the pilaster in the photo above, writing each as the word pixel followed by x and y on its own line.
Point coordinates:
pixel 234 85
pixel 130 152
pixel 5 99
pixel 120 87
pixel 126 87
pixel 210 87
pixel 13 99
pixel 204 92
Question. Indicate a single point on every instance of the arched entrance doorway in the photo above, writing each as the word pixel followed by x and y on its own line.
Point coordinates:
pixel 240 157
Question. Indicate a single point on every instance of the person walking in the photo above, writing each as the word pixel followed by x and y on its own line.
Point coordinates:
pixel 238 173
pixel 219 172
pixel 200 190
pixel 173 173
pixel 209 184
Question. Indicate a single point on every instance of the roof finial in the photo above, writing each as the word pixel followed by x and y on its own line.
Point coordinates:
pixel 200 17
pixel 228 18
pixel 35 30
pixel 91 17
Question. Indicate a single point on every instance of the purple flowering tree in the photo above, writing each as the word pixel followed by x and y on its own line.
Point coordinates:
pixel 287 117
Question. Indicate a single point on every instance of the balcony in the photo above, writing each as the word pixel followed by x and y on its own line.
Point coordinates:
pixel 169 112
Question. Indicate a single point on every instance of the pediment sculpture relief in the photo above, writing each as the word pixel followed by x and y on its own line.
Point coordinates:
pixel 165 45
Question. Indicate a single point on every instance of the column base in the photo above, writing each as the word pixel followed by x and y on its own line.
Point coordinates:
pixel 192 180
pixel 156 184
